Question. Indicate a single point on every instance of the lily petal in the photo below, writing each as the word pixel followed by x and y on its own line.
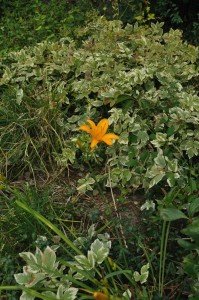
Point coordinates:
pixel 102 128
pixel 109 137
pixel 85 128
pixel 92 124
pixel 94 142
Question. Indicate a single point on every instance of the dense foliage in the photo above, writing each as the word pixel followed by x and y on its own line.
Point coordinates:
pixel 181 14
pixel 144 83
pixel 23 24
pixel 143 80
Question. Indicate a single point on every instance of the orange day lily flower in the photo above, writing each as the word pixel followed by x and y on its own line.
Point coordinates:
pixel 98 132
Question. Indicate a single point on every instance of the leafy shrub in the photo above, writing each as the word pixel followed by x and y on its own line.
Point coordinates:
pixel 24 24
pixel 143 80
pixel 179 14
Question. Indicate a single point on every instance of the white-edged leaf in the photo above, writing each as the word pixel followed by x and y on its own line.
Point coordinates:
pixel 66 293
pixel 29 279
pixel 144 268
pixel 49 259
pixel 127 295
pixel 84 262
pixel 22 278
pixel 136 276
pixel 26 296
pixel 100 250
pixel 31 261
pixel 91 231
pixel 143 275
pixel 156 179
pixel 91 258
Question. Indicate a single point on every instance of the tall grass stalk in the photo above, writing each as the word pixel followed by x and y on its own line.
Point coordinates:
pixel 163 250
pixel 39 217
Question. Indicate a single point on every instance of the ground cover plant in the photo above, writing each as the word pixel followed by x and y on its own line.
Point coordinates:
pixel 24 24
pixel 114 111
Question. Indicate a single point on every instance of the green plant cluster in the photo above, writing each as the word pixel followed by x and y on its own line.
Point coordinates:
pixel 187 202
pixel 24 24
pixel 143 80
pixel 80 277
pixel 183 15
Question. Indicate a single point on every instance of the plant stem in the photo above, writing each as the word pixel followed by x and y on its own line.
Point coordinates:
pixel 161 255
pixel 163 250
pixel 164 256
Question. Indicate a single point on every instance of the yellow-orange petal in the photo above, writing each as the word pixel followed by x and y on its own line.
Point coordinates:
pixel 92 124
pixel 94 142
pixel 102 128
pixel 109 137
pixel 100 296
pixel 85 128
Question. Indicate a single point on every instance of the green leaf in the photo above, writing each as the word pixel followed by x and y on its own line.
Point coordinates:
pixel 22 278
pixel 172 165
pixel 84 262
pixel 170 131
pixel 149 204
pixel 50 294
pixel 91 258
pixel 193 229
pixel 31 261
pixel 126 295
pixel 194 206
pixel 85 184
pixel 91 231
pixel 191 265
pixel 66 293
pixel 172 214
pixel 29 279
pixel 136 276
pixel 156 179
pixel 144 268
pixel 100 250
pixel 26 296
pixel 143 275
pixel 187 245
pixel 160 160
pixel 49 259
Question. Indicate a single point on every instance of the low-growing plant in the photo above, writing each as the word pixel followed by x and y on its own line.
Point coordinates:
pixel 78 270
pixel 118 73
pixel 143 82
pixel 25 23
pixel 93 275
pixel 178 14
